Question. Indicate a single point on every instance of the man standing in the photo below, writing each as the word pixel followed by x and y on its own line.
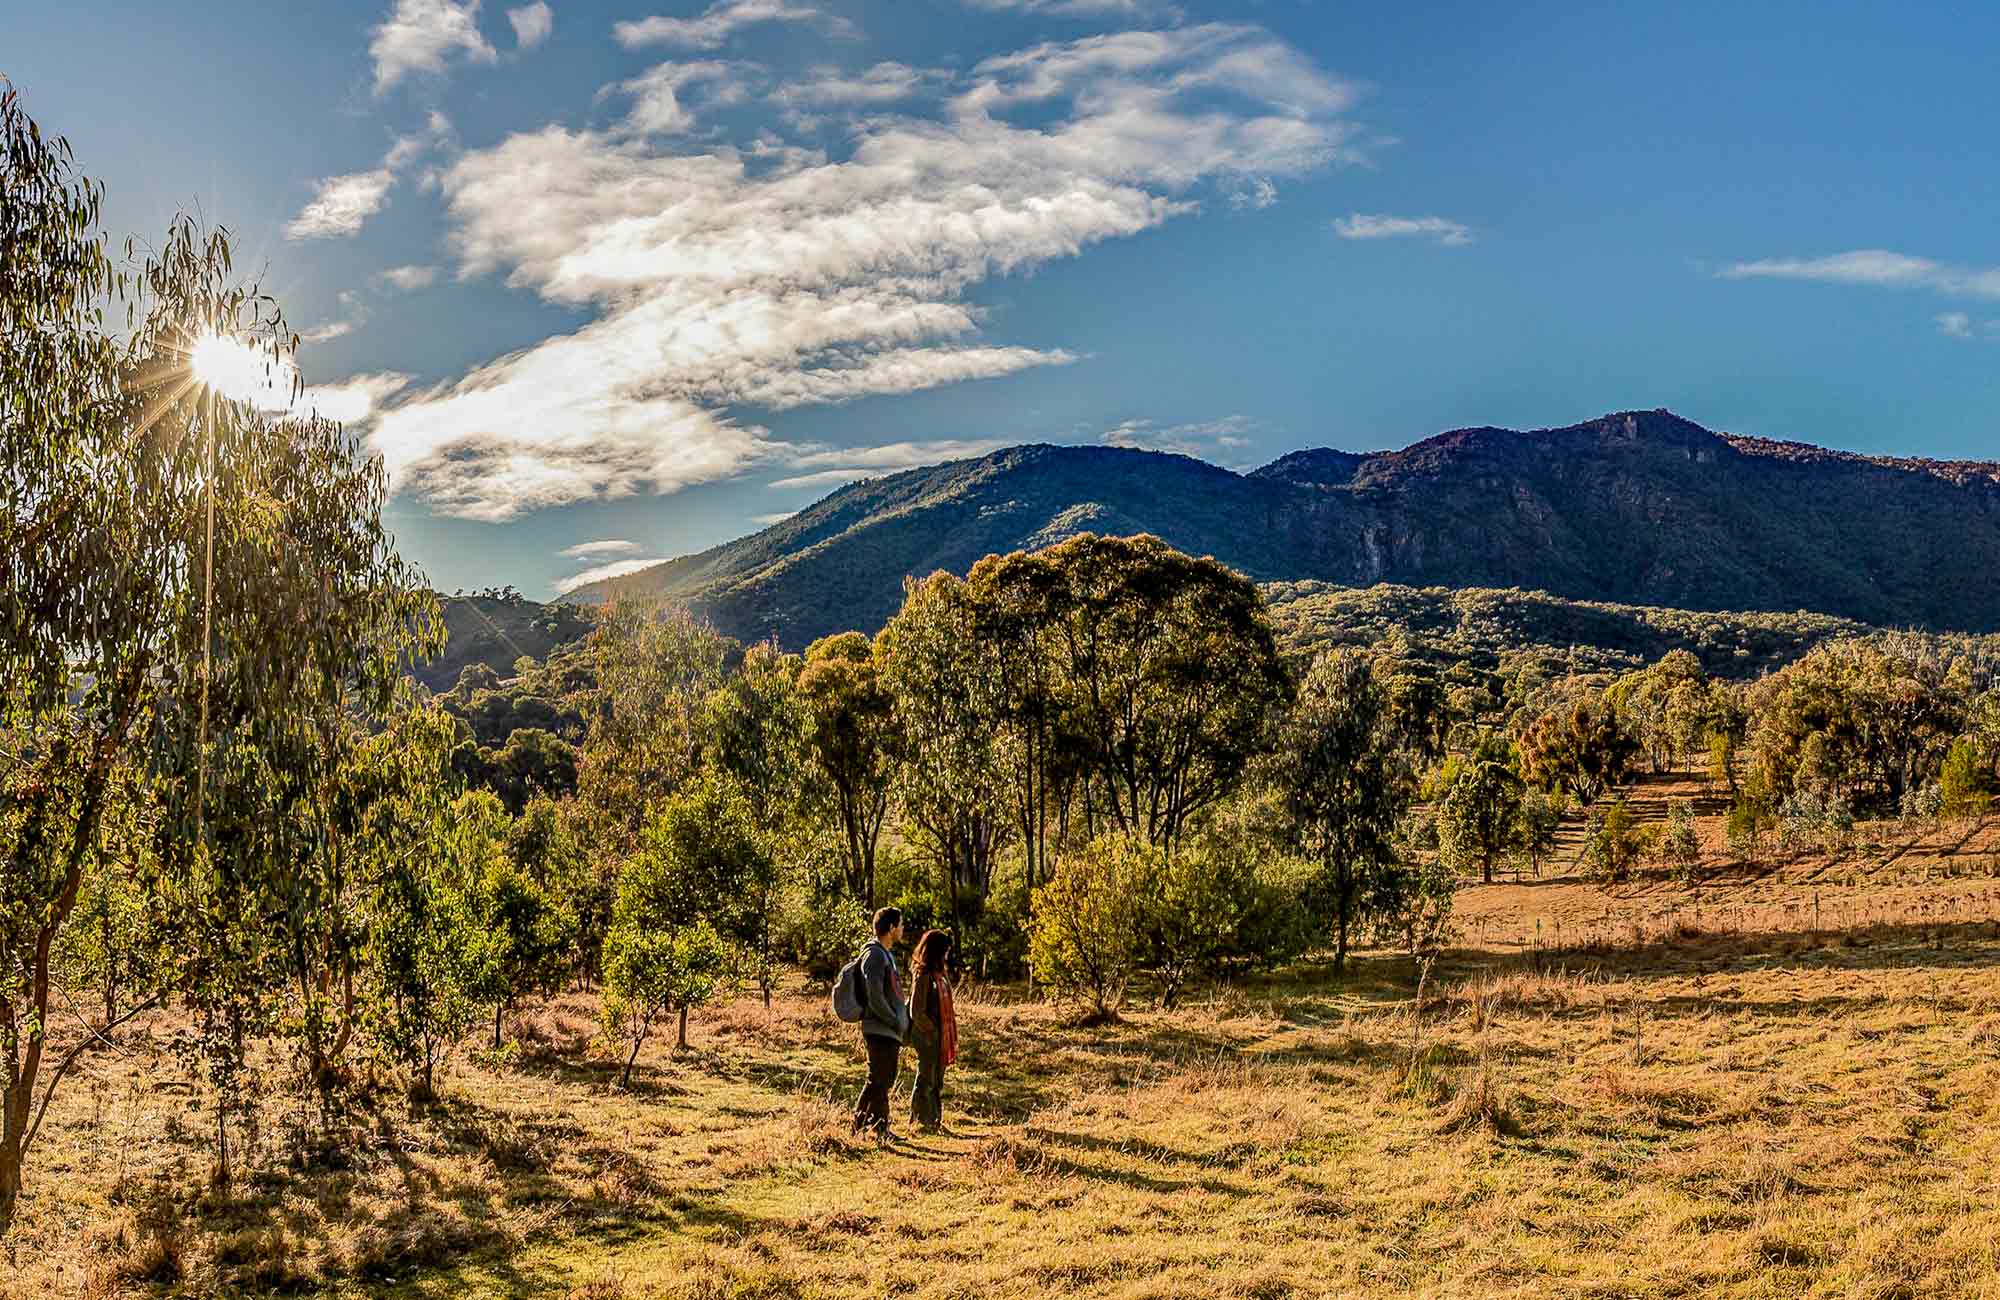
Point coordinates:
pixel 885 1021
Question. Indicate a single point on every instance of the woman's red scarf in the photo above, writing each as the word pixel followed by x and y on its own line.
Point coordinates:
pixel 947 1017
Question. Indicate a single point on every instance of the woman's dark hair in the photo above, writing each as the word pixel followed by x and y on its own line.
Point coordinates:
pixel 932 950
pixel 887 919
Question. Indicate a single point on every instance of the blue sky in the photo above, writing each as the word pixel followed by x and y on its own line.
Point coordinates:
pixel 611 282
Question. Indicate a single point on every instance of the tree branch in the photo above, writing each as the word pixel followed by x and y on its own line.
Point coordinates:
pixel 49 1094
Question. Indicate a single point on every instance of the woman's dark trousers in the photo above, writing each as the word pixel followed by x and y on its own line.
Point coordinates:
pixel 927 1102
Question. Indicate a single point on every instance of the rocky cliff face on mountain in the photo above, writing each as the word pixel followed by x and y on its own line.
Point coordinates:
pixel 1642 507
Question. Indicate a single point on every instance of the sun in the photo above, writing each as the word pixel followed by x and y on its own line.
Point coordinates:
pixel 234 370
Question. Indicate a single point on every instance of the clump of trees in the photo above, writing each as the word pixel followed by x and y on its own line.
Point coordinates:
pixel 194 596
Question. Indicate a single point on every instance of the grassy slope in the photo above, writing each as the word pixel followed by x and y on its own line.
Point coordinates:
pixel 1668 1112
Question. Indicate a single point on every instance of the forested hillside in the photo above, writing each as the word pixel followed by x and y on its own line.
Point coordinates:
pixel 1641 508
pixel 1489 629
pixel 496 629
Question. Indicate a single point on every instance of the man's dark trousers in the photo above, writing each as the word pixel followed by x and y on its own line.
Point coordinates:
pixel 884 1055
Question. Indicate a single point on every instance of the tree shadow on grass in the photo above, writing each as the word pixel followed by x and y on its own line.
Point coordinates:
pixel 1058 1163
pixel 1942 945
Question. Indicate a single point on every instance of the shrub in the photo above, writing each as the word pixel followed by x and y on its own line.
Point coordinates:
pixel 434 959
pixel 1615 842
pixel 1722 759
pixel 1086 919
pixel 1274 926
pixel 1680 846
pixel 698 861
pixel 1923 804
pixel 817 927
pixel 997 947
pixel 1192 905
pixel 1962 791
pixel 648 972
pixel 1811 817
pixel 1542 813
pixel 1748 821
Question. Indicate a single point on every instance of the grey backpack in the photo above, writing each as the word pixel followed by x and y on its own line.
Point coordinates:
pixel 850 992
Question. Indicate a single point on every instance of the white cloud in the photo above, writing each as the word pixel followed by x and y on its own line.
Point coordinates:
pixel 775 275
pixel 406 279
pixel 835 466
pixel 532 24
pixel 1134 9
pixel 328 332
pixel 408 148
pixel 354 316
pixel 1362 225
pixel 717 23
pixel 765 521
pixel 884 83
pixel 615 569
pixel 826 478
pixel 589 550
pixel 1255 192
pixel 1211 440
pixel 892 456
pixel 657 94
pixel 905 370
pixel 351 401
pixel 421 35
pixel 341 205
pixel 1878 267
pixel 1954 324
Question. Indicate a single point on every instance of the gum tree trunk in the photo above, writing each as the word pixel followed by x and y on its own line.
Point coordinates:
pixel 10 1158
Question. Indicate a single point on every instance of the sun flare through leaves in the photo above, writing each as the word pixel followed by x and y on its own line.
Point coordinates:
pixel 241 372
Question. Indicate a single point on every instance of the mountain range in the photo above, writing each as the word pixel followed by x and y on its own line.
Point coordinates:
pixel 1639 507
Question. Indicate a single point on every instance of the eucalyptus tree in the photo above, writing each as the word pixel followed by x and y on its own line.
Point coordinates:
pixel 1338 767
pixel 951 785
pixel 1020 602
pixel 190 590
pixel 1480 806
pixel 1174 674
pixel 1862 720
pixel 1580 746
pixel 60 395
pixel 755 724
pixel 680 899
pixel 852 736
pixel 655 668
pixel 1421 709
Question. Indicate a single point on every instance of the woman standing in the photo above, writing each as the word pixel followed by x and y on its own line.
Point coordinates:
pixel 933 1027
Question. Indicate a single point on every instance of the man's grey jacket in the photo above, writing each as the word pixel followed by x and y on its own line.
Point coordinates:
pixel 885 1015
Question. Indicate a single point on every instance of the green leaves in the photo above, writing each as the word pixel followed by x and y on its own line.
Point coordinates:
pixel 700 879
pixel 946 682
pixel 855 740
pixel 436 959
pixel 1087 921
pixel 1342 783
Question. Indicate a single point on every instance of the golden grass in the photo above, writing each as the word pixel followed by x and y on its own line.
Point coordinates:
pixel 1714 1112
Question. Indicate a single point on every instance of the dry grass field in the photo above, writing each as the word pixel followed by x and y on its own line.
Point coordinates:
pixel 1655 1106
